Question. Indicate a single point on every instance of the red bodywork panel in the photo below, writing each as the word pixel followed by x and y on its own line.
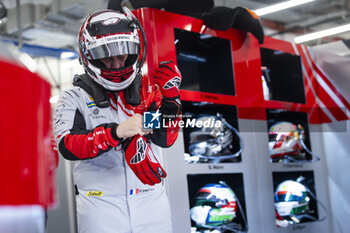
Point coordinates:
pixel 27 158
pixel 159 26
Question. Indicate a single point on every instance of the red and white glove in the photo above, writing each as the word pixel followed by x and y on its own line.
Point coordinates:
pixel 141 160
pixel 168 77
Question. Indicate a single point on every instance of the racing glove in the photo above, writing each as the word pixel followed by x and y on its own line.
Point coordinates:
pixel 168 77
pixel 141 160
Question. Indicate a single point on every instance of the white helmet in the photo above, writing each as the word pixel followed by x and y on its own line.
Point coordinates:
pixel 110 33
pixel 291 199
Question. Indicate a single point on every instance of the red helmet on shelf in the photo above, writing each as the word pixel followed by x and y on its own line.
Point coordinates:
pixel 285 140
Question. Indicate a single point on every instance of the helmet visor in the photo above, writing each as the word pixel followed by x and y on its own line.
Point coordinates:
pixel 289 197
pixel 280 136
pixel 114 49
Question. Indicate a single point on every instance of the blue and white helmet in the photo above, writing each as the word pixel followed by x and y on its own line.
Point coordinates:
pixel 291 198
pixel 215 205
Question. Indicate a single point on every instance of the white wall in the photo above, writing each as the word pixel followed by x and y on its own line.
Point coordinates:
pixel 334 61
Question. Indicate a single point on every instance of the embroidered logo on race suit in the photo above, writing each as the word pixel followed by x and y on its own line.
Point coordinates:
pixel 91 103
pixel 174 82
pixel 94 194
pixel 59 107
pixel 138 191
pixel 96 114
pixel 95 110
pixel 140 151
pixel 134 191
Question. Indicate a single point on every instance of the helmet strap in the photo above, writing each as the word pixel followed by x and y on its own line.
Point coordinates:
pixel 92 88
pixel 133 91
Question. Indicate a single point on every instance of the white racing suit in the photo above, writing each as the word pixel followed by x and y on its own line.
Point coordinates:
pixel 110 197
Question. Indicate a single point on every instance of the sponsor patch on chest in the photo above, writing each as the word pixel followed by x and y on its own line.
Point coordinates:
pixel 94 194
pixel 91 103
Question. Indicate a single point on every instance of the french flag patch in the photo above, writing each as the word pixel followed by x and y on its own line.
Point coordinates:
pixel 134 191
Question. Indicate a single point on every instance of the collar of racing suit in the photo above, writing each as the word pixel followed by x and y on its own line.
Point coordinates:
pixel 100 94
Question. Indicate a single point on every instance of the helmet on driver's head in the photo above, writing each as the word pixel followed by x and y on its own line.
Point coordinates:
pixel 285 139
pixel 105 34
pixel 211 140
pixel 215 205
pixel 291 198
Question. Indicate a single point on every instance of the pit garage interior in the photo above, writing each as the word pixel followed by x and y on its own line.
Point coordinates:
pixel 41 36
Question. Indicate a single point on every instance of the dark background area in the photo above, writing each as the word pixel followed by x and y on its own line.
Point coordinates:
pixel 286 77
pixel 205 62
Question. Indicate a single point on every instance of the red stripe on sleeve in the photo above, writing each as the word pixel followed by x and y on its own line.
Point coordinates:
pixel 90 144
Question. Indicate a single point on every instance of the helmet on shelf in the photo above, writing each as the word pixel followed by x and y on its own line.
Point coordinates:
pixel 291 199
pixel 212 140
pixel 109 33
pixel 215 205
pixel 285 139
